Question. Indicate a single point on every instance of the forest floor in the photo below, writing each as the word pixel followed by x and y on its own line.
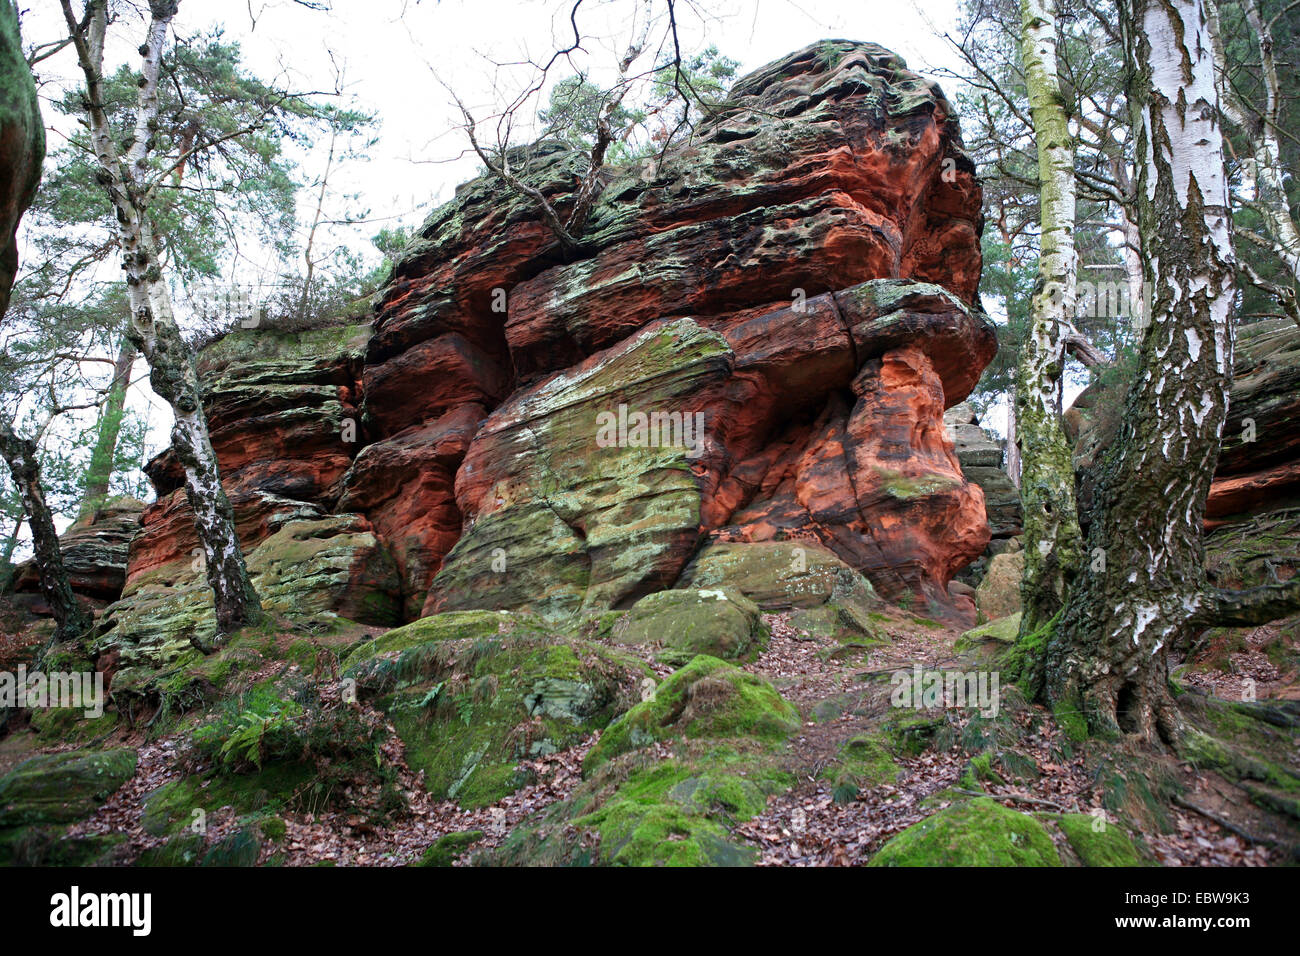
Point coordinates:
pixel 838 693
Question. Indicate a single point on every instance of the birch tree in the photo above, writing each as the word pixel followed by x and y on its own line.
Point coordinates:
pixel 1106 657
pixel 1264 170
pixel 21 455
pixel 1051 525
pixel 23 137
pixel 153 329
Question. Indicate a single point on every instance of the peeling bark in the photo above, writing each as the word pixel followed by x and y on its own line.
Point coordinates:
pixel 20 454
pixel 1051 524
pixel 1107 653
pixel 153 328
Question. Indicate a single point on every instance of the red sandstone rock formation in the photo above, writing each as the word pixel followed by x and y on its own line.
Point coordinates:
pixel 802 277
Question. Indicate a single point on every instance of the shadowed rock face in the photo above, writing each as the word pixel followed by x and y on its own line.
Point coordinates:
pixel 789 303
pixel 94 552
pixel 1259 461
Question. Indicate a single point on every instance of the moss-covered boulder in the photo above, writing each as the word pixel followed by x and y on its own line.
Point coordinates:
pixel 1001 633
pixel 720 623
pixel 777 575
pixel 863 762
pixel 706 698
pixel 447 848
pixel 634 812
pixel 316 568
pixel 581 522
pixel 174 806
pixel 978 832
pixel 62 788
pixel 998 595
pixel 44 794
pixel 449 626
pixel 1098 843
pixel 469 709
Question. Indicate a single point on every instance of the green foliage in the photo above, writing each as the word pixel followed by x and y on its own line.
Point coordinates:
pixel 334 744
pixel 676 100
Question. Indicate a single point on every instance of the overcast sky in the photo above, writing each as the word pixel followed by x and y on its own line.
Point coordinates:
pixel 394 53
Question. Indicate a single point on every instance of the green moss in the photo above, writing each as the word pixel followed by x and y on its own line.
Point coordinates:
pixel 979 771
pixel 912 733
pixel 449 626
pixel 51 846
pixel 1022 663
pixel 1235 762
pixel 863 763
pixel 274 829
pixel 447 848
pixel 1138 790
pixel 181 849
pixel 706 698
pixel 905 488
pixel 976 833
pixel 1098 845
pixel 778 574
pixel 1072 722
pixel 171 807
pixel 240 848
pixel 1002 631
pixel 62 788
pixel 721 623
pixel 662 835
pixel 470 710
pixel 677 813
pixel 70 725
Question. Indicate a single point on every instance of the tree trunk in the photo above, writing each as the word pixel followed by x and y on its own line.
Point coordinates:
pixel 71 619
pixel 107 430
pixel 152 329
pixel 1013 441
pixel 7 555
pixel 1144 587
pixel 1051 525
pixel 1264 171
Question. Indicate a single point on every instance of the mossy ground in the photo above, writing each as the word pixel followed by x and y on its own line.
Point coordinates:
pixel 706 698
pixel 469 709
pixel 979 832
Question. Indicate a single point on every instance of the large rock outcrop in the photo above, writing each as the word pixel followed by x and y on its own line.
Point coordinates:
pixel 755 341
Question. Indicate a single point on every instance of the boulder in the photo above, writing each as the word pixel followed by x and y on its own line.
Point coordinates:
pixel 998 595
pixel 684 623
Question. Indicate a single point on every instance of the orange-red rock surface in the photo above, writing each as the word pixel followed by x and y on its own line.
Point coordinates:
pixel 797 285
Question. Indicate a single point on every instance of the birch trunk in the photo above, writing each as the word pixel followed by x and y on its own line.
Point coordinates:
pixel 1051 525
pixel 70 617
pixel 1107 654
pixel 153 328
pixel 1264 172
pixel 7 555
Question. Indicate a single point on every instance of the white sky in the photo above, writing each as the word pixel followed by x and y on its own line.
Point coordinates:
pixel 389 51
